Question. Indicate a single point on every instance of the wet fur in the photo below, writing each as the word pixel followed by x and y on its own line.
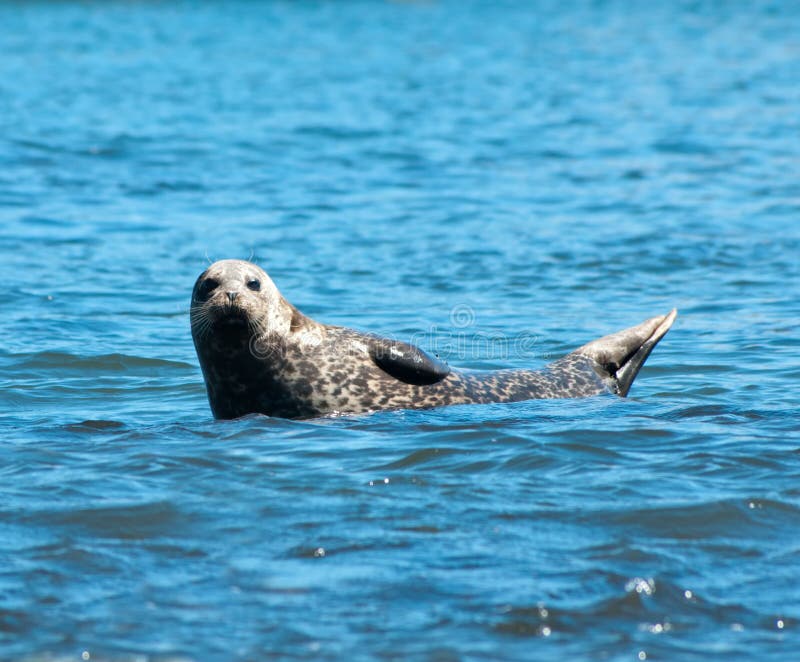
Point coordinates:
pixel 281 363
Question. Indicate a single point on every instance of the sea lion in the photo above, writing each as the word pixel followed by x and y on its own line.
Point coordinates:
pixel 259 354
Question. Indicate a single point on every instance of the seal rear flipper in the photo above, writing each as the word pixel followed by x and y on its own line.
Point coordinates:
pixel 621 355
pixel 407 363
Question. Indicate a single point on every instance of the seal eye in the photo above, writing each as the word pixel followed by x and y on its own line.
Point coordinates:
pixel 207 287
pixel 254 284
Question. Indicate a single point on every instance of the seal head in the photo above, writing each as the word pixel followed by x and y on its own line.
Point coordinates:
pixel 233 296
pixel 239 321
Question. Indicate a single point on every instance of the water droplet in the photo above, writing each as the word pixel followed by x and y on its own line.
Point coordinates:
pixel 642 655
pixel 546 631
pixel 687 594
pixel 780 624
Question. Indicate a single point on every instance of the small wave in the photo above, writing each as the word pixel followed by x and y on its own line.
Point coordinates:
pixel 711 520
pixel 67 363
pixel 628 606
pixel 125 521
pixel 337 132
pixel 94 426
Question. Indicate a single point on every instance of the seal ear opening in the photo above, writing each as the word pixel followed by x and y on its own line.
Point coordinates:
pixel 407 363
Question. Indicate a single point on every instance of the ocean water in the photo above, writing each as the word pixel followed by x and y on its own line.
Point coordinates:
pixel 501 182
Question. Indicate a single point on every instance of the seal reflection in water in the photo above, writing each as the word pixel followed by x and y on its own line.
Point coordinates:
pixel 259 354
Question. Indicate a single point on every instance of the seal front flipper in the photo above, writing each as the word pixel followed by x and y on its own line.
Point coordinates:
pixel 407 363
pixel 620 356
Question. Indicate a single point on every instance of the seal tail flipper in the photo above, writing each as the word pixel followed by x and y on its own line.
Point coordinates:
pixel 621 355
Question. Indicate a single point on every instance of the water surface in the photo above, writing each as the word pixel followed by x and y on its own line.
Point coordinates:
pixel 448 172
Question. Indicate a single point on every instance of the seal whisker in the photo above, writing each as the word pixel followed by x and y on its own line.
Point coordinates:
pixel 255 327
pixel 201 330
pixel 200 320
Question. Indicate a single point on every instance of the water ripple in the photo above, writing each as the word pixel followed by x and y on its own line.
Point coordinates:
pixel 560 171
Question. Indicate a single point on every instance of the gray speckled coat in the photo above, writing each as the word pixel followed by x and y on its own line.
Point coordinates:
pixel 260 355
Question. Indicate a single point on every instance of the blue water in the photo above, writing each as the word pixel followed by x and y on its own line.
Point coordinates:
pixel 450 172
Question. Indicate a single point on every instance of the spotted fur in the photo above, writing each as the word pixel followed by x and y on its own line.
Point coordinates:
pixel 259 354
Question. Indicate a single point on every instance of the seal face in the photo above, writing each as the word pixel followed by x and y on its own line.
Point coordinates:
pixel 259 354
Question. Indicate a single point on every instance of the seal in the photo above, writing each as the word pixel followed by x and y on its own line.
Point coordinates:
pixel 260 355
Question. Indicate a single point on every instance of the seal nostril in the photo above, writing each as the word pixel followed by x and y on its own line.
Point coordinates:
pixel 232 296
